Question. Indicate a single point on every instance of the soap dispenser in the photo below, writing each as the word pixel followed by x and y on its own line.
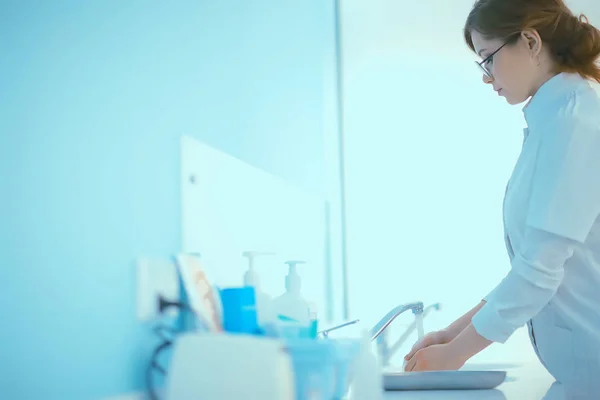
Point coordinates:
pixel 263 301
pixel 291 304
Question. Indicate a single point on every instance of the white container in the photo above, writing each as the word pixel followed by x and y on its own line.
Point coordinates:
pixel 221 366
pixel 322 368
pixel 368 378
pixel 291 304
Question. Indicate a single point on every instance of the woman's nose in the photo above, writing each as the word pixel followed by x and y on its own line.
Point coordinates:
pixel 487 79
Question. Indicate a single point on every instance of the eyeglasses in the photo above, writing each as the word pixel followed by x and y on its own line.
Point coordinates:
pixel 482 66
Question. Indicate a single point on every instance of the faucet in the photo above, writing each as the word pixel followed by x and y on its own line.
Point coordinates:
pixel 386 352
pixel 379 328
pixel 417 308
pixel 412 327
pixel 379 331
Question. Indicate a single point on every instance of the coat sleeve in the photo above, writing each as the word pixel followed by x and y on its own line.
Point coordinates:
pixel 537 272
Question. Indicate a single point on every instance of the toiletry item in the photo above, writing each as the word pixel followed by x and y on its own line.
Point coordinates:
pixel 291 304
pixel 239 310
pixel 251 276
pixel 204 299
pixel 217 366
pixel 367 383
pixel 322 368
pixel 263 301
pixel 289 328
pixel 314 363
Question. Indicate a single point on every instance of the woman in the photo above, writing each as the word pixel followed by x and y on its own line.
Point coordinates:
pixel 537 50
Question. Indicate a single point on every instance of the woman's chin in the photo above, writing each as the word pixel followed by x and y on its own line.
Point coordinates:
pixel 513 101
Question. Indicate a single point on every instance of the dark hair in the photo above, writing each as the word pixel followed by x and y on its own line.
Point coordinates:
pixel 573 42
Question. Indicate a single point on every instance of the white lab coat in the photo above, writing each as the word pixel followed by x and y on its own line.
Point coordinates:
pixel 552 233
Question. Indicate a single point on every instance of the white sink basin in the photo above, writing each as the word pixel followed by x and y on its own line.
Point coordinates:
pixel 473 375
pixel 443 380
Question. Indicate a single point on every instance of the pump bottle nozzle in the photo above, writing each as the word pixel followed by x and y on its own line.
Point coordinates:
pixel 251 277
pixel 292 280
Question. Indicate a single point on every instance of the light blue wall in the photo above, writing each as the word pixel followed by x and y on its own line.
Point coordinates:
pixel 94 96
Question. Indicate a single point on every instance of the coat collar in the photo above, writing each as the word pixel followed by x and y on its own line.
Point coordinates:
pixel 547 99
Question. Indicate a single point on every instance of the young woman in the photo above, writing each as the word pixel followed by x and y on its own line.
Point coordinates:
pixel 538 51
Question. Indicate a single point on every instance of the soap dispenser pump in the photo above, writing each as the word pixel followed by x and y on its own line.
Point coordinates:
pixel 251 279
pixel 293 283
pixel 251 276
pixel 291 304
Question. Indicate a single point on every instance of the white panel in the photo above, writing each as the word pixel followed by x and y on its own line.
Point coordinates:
pixel 229 206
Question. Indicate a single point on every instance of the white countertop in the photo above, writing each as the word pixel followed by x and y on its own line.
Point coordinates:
pixel 526 378
pixel 526 382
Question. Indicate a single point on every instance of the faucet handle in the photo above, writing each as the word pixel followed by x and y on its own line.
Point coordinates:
pixel 325 332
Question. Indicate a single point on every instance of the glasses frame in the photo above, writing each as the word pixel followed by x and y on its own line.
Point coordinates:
pixel 487 72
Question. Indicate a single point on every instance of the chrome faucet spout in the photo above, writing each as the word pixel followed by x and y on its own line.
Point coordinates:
pixel 417 308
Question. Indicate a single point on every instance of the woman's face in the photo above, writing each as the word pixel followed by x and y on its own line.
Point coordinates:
pixel 513 67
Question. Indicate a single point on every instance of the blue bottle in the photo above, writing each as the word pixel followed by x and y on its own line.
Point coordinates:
pixel 239 310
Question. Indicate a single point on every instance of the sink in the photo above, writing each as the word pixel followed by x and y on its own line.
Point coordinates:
pixel 472 376
pixel 443 380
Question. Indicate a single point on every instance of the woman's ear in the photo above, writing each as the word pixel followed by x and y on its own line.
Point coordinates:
pixel 533 41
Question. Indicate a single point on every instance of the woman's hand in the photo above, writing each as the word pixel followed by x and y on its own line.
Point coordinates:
pixel 450 355
pixel 437 357
pixel 431 339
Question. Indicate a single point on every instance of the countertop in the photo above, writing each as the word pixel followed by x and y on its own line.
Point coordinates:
pixel 523 382
pixel 526 378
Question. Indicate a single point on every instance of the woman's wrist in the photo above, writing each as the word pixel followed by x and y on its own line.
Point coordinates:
pixel 448 334
pixel 467 344
pixel 455 328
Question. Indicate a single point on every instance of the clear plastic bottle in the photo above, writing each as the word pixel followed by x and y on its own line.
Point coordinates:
pixel 291 304
pixel 264 309
pixel 367 383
